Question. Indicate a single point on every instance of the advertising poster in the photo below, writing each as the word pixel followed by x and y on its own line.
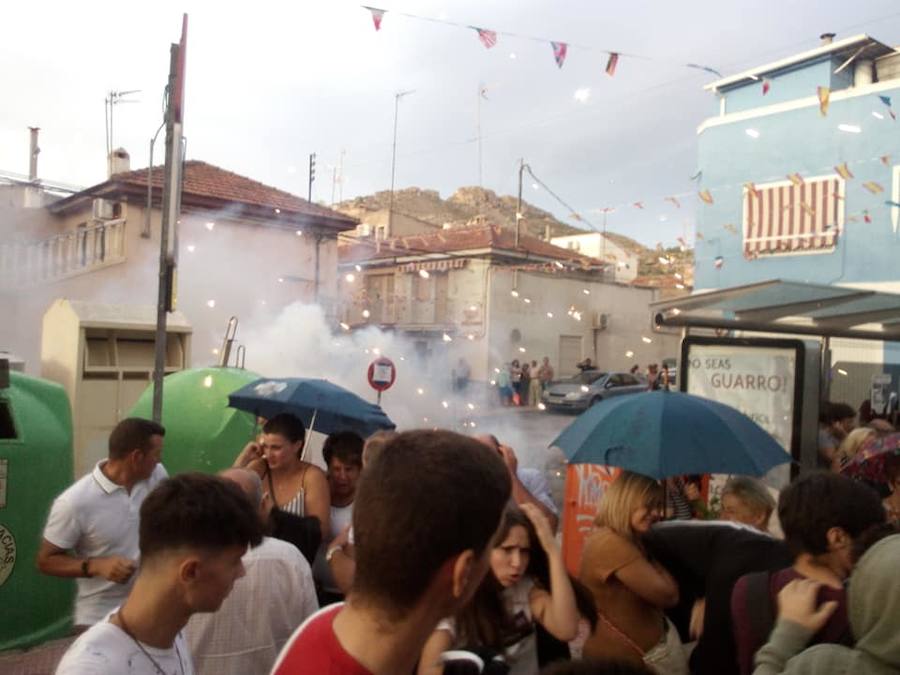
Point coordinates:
pixel 758 380
pixel 585 485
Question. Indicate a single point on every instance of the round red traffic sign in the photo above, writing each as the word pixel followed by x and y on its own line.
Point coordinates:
pixel 382 373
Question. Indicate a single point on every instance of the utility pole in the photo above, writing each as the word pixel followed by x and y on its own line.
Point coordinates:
pixel 171 207
pixel 312 175
pixel 397 97
pixel 519 215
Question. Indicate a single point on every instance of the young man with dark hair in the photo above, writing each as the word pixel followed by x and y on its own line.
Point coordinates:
pixel 822 515
pixel 194 531
pixel 426 511
pixel 92 529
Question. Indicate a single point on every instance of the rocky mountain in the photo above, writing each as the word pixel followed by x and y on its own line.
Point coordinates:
pixel 468 203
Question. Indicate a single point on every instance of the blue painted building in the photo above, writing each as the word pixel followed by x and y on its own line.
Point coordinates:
pixel 798 164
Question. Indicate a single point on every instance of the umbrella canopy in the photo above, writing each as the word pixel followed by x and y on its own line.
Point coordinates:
pixel 870 462
pixel 319 403
pixel 662 434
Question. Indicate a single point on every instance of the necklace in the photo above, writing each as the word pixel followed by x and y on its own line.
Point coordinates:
pixel 159 668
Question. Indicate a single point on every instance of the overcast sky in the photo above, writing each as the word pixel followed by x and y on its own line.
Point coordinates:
pixel 270 84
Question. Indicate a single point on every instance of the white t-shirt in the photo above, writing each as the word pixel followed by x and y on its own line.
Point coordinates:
pixel 105 649
pixel 96 518
pixel 262 611
pixel 521 654
pixel 341 517
pixel 535 481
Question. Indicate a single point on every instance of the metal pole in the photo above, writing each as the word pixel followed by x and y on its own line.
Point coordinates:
pixel 397 97
pixel 312 175
pixel 169 192
pixel 519 215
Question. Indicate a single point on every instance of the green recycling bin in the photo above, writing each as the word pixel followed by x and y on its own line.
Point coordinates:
pixel 202 432
pixel 35 467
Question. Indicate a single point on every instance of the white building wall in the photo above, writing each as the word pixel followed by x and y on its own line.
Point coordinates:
pixel 595 245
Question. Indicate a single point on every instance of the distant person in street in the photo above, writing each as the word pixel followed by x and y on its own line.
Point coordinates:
pixel 630 588
pixel 264 608
pixel 836 420
pixel 529 486
pixel 584 365
pixel 851 445
pixel 874 605
pixel 515 376
pixel 545 374
pixel 534 385
pixel 92 530
pixel 706 558
pixel 525 385
pixel 748 501
pixel 294 485
pixel 822 515
pixel 461 374
pixel 342 453
pixel 654 382
pixel 194 532
pixel 635 369
pixel 412 570
pixel 504 385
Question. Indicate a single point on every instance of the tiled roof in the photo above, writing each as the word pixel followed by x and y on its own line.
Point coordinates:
pixel 206 182
pixel 457 240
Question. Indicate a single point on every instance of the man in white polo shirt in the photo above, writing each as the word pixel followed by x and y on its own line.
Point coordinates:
pixel 92 529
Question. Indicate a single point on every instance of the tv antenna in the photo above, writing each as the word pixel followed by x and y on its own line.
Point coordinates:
pixel 114 98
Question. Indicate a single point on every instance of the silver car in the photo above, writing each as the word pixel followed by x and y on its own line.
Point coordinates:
pixel 580 392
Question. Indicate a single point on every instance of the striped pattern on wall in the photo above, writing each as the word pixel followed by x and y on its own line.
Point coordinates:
pixel 793 215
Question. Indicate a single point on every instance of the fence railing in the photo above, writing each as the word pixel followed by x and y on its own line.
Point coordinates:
pixel 75 252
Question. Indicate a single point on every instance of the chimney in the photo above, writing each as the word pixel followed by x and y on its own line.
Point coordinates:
pixel 827 38
pixel 119 161
pixel 33 155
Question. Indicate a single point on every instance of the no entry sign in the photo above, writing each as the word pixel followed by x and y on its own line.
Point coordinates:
pixel 382 374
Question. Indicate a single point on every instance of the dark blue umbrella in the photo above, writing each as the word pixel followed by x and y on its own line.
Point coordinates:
pixel 662 434
pixel 321 405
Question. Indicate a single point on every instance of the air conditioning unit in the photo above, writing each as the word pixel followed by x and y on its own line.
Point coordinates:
pixel 601 320
pixel 101 209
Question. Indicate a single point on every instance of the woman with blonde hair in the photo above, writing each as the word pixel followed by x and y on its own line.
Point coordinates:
pixel 850 446
pixel 629 588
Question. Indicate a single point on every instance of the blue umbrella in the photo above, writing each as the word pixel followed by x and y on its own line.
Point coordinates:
pixel 662 434
pixel 321 405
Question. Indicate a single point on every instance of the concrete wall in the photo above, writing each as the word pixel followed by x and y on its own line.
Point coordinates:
pixel 247 269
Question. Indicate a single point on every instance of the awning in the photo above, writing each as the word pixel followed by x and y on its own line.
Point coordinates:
pixel 435 265
pixel 790 307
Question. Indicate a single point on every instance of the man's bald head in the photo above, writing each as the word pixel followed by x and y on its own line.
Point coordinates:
pixel 248 481
pixel 489 440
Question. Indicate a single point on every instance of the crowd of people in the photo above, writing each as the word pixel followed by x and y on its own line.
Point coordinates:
pixel 521 384
pixel 429 552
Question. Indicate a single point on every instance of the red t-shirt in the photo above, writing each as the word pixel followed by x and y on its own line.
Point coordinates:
pixel 314 649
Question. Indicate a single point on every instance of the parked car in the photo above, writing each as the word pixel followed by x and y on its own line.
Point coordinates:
pixel 581 391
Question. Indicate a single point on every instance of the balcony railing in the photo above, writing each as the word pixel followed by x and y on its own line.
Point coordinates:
pixel 65 255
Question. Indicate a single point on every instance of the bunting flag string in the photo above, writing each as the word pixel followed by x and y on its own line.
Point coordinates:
pixel 887 102
pixel 844 171
pixel 488 37
pixel 612 63
pixel 675 201
pixel 766 85
pixel 796 179
pixel 560 49
pixel 873 187
pixel 706 196
pixel 377 16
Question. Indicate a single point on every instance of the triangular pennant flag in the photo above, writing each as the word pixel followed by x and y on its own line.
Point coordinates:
pixel 699 236
pixel 887 102
pixel 886 160
pixel 844 171
pixel 560 49
pixel 873 187
pixel 796 179
pixel 488 37
pixel 730 228
pixel 377 15
pixel 638 205
pixel 675 201
pixel 706 196
pixel 612 63
pixel 718 262
pixel 866 216
pixel 824 94
pixel 752 190
pixel 766 85
pixel 698 175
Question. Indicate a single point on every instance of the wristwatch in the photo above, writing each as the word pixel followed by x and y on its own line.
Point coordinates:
pixel 84 568
pixel 329 554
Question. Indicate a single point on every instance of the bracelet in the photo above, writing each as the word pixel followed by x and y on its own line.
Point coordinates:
pixel 84 568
